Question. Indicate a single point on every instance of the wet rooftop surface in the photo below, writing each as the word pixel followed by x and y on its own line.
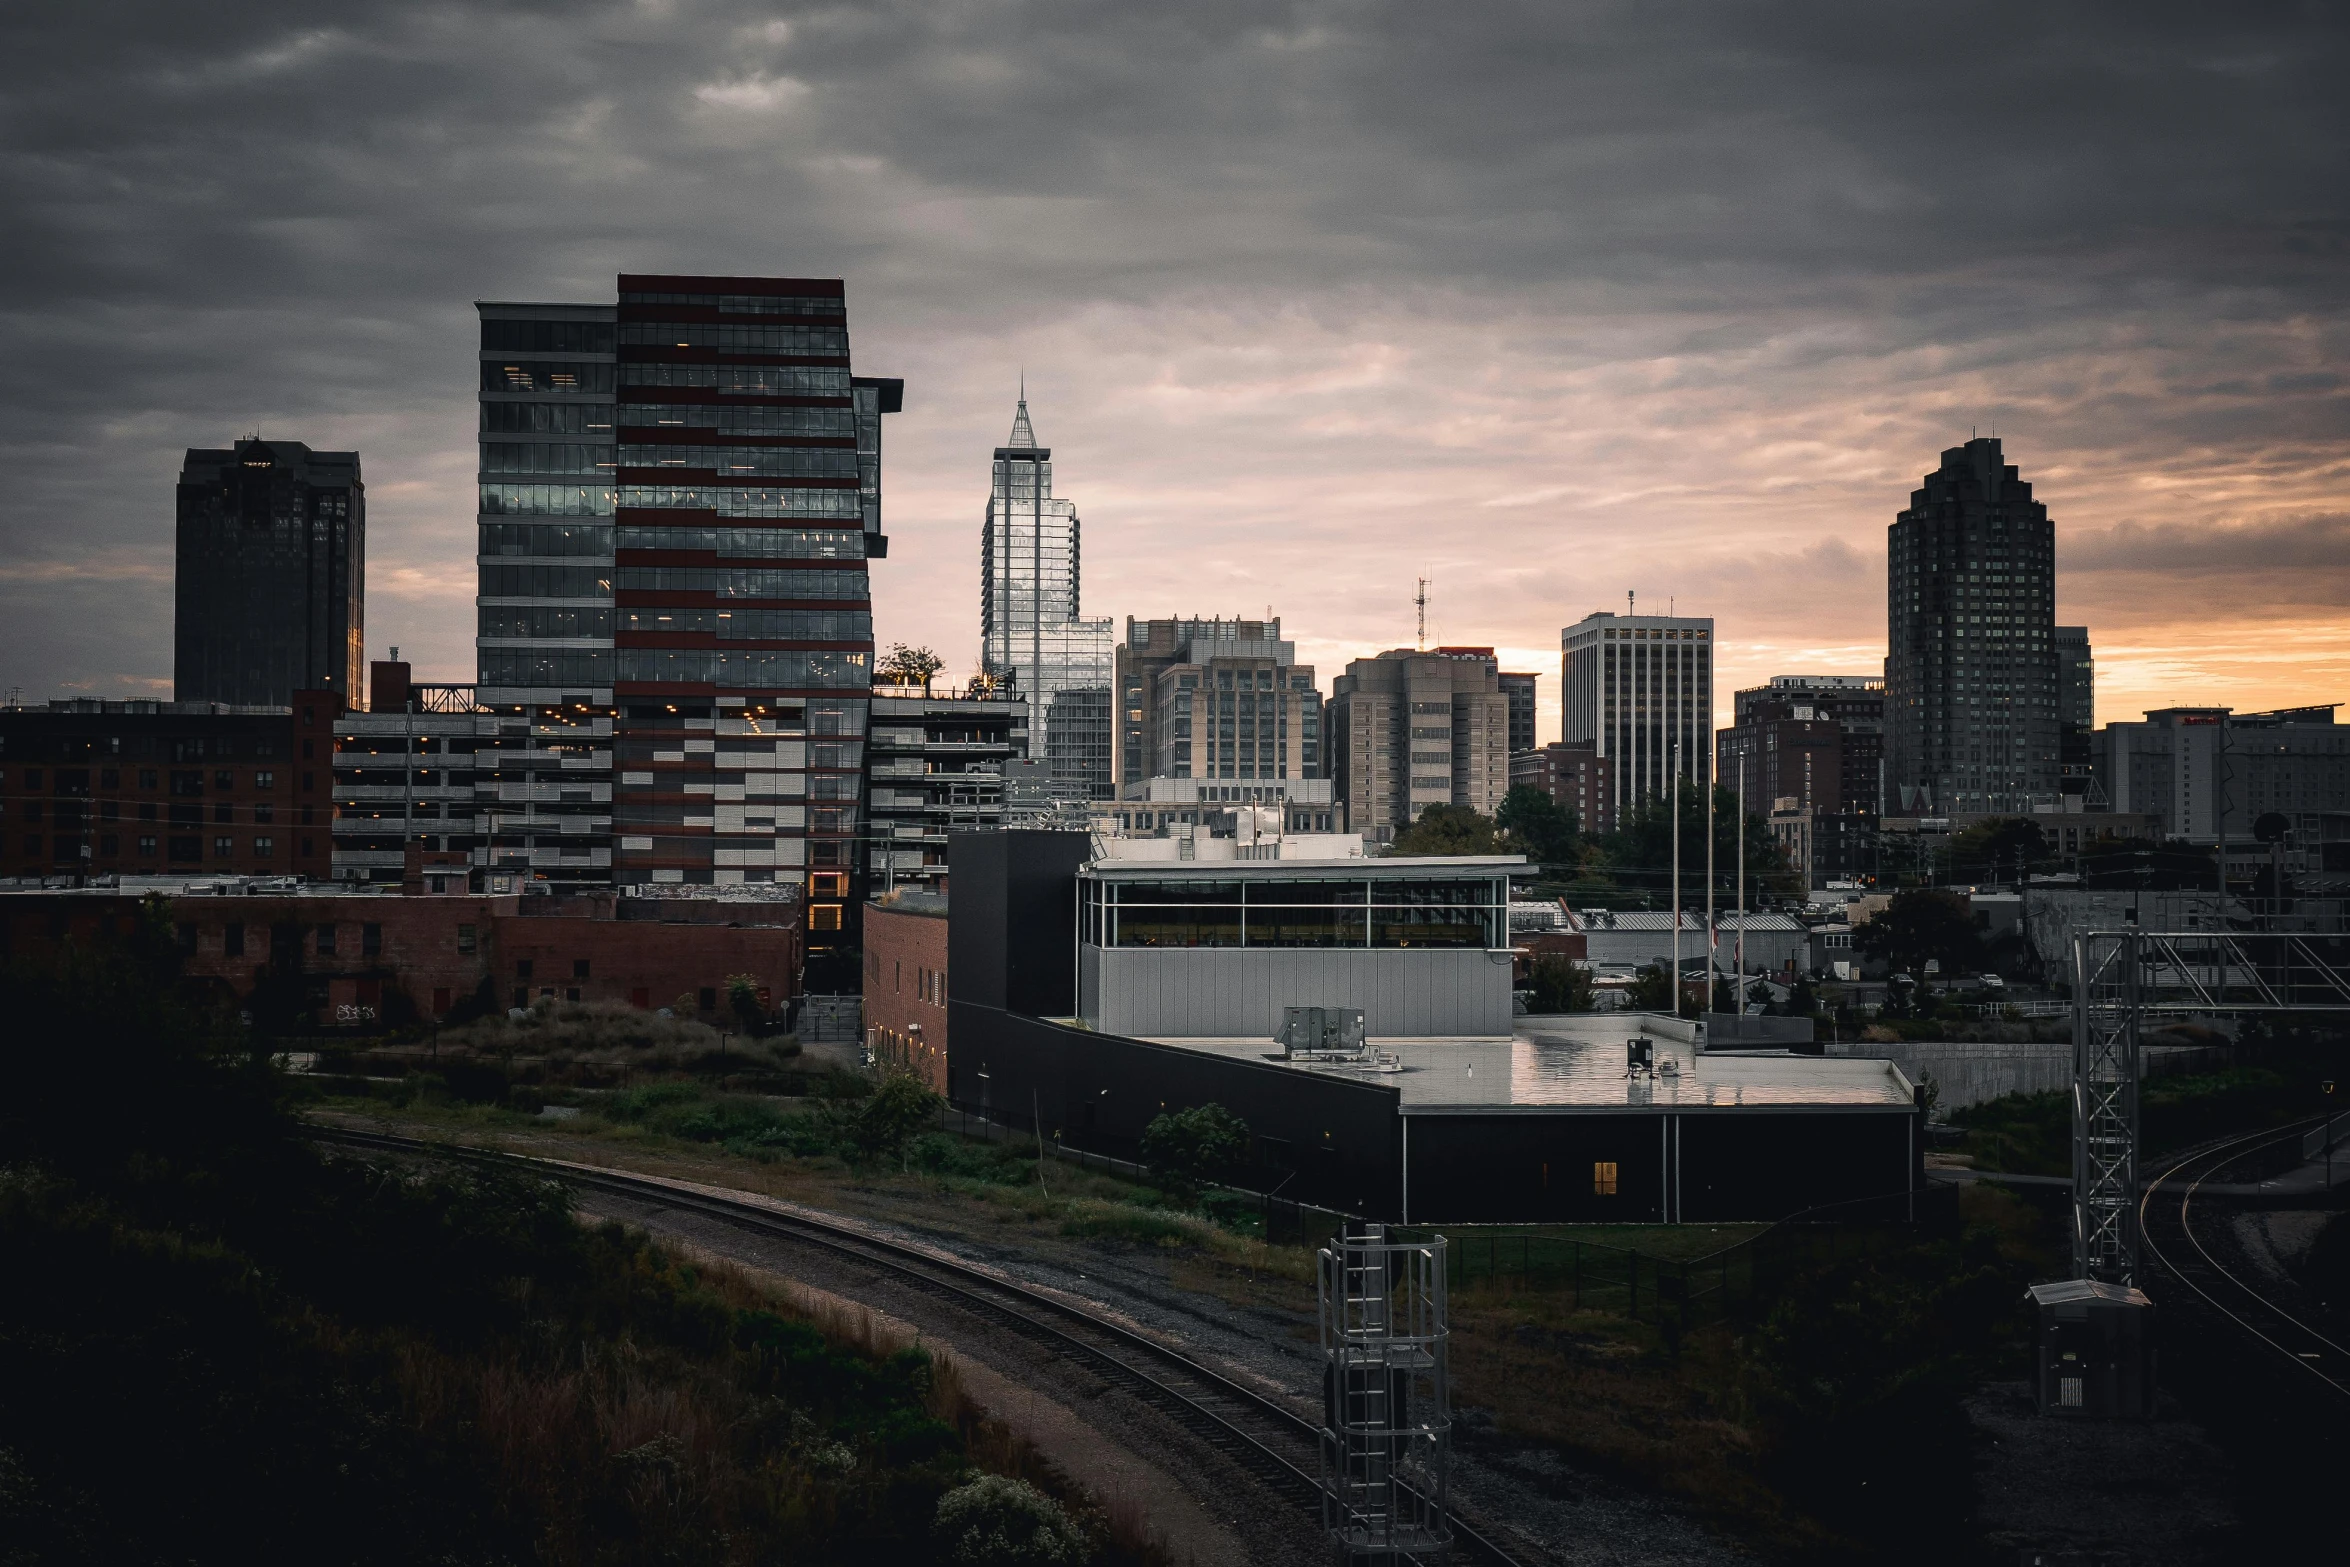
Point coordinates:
pixel 1578 1064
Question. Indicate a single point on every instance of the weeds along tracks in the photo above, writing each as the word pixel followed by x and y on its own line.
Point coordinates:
pixel 1258 1435
pixel 2168 1229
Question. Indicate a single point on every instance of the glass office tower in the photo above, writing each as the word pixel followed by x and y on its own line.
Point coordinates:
pixel 1029 597
pixel 543 631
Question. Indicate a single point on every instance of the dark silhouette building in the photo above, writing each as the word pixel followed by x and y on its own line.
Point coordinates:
pixel 272 574
pixel 1971 689
pixel 1519 688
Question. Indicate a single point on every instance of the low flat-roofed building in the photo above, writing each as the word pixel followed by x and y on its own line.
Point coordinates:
pixel 1442 1119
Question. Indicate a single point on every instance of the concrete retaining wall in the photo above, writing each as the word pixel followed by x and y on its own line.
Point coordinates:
pixel 1970 1073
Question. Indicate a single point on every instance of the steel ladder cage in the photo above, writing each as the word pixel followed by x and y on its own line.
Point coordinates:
pixel 1387 1432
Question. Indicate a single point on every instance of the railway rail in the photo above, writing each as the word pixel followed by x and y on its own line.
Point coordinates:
pixel 2168 1231
pixel 1257 1434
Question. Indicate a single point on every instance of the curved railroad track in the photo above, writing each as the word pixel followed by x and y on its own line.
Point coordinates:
pixel 2167 1229
pixel 1258 1435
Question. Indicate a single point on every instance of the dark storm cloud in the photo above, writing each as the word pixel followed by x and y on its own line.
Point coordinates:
pixel 275 216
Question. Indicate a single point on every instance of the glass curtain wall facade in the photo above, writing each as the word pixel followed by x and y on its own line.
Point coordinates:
pixel 1639 690
pixel 1333 911
pixel 1972 696
pixel 270 595
pixel 1029 598
pixel 544 613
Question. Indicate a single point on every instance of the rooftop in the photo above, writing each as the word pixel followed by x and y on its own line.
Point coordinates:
pixel 1389 868
pixel 1576 1065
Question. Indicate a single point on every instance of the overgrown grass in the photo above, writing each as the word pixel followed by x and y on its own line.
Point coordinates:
pixel 218 1343
pixel 2032 1133
pixel 1821 1430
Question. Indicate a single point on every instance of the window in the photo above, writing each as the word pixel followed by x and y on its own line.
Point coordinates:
pixel 32 778
pixel 1603 1178
pixel 326 941
pixel 824 916
pixel 265 779
pixel 579 968
pixel 709 998
pixel 265 812
pixel 187 935
pixel 522 968
pixel 224 779
pixel 224 848
pixel 147 778
pixel 371 940
pixel 147 847
pixel 465 938
pixel 232 939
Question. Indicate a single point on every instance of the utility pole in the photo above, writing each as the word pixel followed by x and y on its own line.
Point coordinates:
pixel 1673 766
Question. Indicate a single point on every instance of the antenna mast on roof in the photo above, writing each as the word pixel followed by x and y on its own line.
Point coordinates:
pixel 1420 603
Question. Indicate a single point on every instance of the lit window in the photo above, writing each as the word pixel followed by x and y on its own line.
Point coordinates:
pixel 1603 1178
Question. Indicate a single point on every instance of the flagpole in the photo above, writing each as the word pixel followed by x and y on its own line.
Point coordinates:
pixel 1673 764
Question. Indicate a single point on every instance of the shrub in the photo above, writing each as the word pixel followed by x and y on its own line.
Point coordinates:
pixel 996 1521
pixel 1187 1147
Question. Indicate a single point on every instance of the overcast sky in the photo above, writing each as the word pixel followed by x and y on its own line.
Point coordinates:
pixel 1544 301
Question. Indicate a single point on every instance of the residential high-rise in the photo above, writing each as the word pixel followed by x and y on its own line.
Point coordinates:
pixel 1971 688
pixel 1407 730
pixel 1519 689
pixel 1029 597
pixel 1639 690
pixel 687 635
pixel 271 589
pixel 936 765
pixel 1218 699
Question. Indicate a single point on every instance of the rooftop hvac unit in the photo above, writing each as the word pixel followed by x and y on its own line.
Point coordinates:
pixel 1318 1032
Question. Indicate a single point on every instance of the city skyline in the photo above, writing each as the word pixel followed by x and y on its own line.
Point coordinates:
pixel 1301 385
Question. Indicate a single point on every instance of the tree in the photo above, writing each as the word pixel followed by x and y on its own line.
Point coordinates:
pixel 1639 853
pixel 891 1115
pixel 1996 850
pixel 1558 984
pixel 1189 1147
pixel 907 666
pixel 742 993
pixel 1650 991
pixel 1540 829
pixel 1920 924
pixel 1449 829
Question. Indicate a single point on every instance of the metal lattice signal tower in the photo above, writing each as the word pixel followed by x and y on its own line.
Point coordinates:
pixel 2121 976
pixel 1387 1412
pixel 2105 1107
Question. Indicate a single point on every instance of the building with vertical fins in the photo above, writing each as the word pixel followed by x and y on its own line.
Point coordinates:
pixel 1413 728
pixel 1031 631
pixel 680 493
pixel 1972 696
pixel 1638 689
pixel 270 593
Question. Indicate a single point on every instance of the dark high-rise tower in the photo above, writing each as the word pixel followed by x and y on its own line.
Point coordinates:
pixel 1971 694
pixel 272 574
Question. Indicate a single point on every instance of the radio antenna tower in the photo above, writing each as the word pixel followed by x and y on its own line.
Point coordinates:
pixel 1420 603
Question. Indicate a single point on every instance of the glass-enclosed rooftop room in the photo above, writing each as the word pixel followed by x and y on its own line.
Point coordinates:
pixel 1389 903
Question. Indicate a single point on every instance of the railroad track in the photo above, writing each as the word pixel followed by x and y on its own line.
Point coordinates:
pixel 1257 1434
pixel 2167 1228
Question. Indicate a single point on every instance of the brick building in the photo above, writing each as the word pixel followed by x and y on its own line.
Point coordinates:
pixel 356 959
pixel 906 984
pixel 99 788
pixel 1576 776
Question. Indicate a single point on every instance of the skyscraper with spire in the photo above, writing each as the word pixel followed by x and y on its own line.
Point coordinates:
pixel 1030 628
